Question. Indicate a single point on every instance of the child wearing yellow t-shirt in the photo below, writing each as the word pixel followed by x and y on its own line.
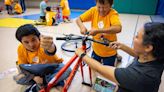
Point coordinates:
pixel 50 17
pixel 17 8
pixel 64 4
pixel 105 24
pixel 38 49
pixel 8 4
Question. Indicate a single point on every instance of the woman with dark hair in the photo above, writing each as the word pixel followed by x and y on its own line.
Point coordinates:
pixel 144 74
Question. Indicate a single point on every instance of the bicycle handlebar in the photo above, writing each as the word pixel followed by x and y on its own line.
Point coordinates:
pixel 84 38
pixel 60 38
pixel 68 38
pixel 103 43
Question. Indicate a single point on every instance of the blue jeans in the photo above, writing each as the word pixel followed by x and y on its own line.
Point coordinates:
pixel 104 60
pixel 62 78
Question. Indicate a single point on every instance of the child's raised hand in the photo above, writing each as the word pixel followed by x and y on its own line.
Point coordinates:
pixel 46 42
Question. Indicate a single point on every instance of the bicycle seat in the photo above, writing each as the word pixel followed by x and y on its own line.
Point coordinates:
pixel 39 69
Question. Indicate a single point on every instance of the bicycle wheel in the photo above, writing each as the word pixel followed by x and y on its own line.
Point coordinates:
pixel 71 46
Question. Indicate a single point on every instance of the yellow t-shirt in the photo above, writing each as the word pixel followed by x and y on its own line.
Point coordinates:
pixel 49 16
pixel 99 22
pixel 65 7
pixel 18 8
pixel 37 57
pixel 8 2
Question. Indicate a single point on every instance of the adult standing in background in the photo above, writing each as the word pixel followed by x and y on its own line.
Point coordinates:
pixel 22 3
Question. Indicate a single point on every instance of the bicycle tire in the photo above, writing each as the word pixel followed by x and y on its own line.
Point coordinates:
pixel 71 46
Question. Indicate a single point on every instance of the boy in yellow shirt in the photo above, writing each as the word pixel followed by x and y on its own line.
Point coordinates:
pixel 105 24
pixel 38 49
pixel 65 10
pixel 8 4
pixel 17 8
pixel 50 17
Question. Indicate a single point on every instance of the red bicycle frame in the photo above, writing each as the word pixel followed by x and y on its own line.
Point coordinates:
pixel 72 74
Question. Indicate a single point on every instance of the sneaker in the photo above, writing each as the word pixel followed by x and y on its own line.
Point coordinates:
pixel 32 88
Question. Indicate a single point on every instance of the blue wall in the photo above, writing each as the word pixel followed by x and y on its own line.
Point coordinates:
pixel 81 4
pixel 160 9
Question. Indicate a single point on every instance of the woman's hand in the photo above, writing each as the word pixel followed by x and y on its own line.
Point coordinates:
pixel 115 45
pixel 79 51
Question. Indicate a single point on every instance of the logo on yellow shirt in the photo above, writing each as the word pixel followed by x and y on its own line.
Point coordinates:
pixel 101 24
pixel 35 59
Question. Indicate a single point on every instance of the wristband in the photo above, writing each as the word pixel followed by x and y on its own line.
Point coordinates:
pixel 82 55
pixel 50 53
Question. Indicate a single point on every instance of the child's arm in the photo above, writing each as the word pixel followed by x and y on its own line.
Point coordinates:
pixel 80 24
pixel 111 30
pixel 117 45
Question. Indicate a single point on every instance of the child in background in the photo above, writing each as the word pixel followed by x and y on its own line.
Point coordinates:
pixel 17 8
pixel 43 6
pixel 50 17
pixel 42 19
pixel 8 4
pixel 65 10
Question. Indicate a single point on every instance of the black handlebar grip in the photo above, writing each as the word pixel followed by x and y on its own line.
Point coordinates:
pixel 61 38
pixel 106 44
pixel 103 43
